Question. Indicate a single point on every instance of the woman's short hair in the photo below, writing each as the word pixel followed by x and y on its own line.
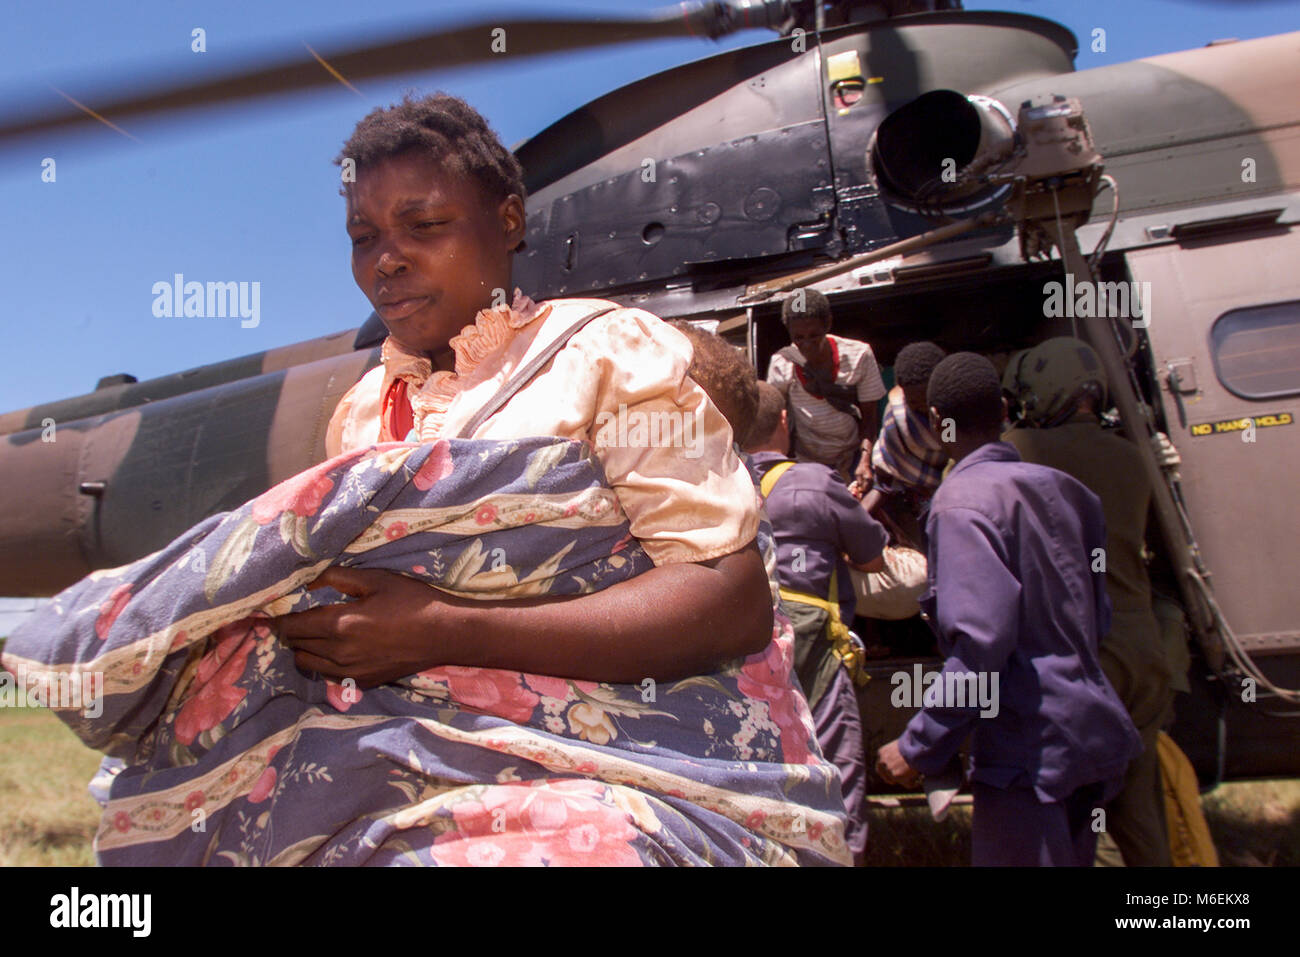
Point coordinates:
pixel 965 388
pixel 446 130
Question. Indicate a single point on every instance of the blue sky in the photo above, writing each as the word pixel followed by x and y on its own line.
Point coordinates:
pixel 251 194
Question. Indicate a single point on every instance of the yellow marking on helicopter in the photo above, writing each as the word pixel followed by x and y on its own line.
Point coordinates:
pixel 1237 425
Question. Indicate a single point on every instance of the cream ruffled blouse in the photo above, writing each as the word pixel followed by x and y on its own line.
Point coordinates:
pixel 620 384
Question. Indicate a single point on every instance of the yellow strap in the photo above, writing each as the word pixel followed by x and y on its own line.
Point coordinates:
pixel 837 633
pixel 768 482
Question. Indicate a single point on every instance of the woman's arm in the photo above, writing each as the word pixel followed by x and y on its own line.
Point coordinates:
pixel 670 622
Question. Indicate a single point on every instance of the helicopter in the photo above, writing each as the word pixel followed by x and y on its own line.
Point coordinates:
pixel 937 172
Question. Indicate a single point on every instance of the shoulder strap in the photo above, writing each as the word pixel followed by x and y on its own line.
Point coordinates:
pixel 768 482
pixel 527 373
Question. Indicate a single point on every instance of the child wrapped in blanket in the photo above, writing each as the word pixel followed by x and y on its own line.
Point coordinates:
pixel 671 731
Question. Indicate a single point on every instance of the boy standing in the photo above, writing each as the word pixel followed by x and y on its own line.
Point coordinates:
pixel 1062 388
pixel 821 531
pixel 1013 595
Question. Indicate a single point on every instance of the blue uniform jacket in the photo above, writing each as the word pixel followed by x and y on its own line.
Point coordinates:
pixel 815 522
pixel 1012 593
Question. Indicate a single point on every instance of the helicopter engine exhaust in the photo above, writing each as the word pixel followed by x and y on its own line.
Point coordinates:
pixel 931 153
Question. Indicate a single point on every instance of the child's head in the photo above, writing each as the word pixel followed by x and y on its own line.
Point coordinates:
pixel 725 375
pixel 912 369
pixel 965 390
pixel 767 431
pixel 435 215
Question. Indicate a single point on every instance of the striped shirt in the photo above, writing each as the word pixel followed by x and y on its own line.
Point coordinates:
pixel 822 432
pixel 907 455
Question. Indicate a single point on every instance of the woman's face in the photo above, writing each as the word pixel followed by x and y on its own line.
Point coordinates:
pixel 428 250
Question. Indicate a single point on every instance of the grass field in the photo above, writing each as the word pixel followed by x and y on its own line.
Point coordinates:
pixel 46 816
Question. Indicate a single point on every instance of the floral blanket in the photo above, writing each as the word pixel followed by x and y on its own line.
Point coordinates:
pixel 234 756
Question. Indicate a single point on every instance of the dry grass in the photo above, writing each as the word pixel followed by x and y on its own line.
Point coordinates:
pixel 47 818
pixel 1256 823
pixel 46 815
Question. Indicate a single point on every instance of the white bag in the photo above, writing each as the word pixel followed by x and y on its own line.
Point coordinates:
pixel 892 594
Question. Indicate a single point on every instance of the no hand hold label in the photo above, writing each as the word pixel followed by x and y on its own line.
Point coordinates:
pixel 1237 425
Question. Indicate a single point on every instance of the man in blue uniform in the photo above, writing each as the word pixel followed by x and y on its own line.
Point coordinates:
pixel 820 530
pixel 1014 600
pixel 1060 386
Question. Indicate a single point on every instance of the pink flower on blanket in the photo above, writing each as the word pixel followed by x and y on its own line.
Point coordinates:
pixel 767 677
pixel 217 695
pixel 263 788
pixel 436 467
pixel 110 609
pixel 552 687
pixel 548 686
pixel 531 823
pixel 301 495
pixel 489 690
pixel 266 781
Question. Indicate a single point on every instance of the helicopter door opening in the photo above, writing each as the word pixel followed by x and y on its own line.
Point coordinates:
pixel 1239 494
pixel 993 311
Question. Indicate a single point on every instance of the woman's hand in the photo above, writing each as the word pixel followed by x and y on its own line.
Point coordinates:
pixel 670 622
pixel 388 632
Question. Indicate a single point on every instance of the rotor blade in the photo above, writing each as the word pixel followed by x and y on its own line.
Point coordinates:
pixel 437 49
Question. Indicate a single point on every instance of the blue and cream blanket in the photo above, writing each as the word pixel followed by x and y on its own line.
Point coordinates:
pixel 234 756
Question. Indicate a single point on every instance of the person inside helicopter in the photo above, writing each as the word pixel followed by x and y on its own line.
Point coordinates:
pixel 831 384
pixel 906 466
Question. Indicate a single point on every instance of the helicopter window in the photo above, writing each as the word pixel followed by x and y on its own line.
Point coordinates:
pixel 1257 350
